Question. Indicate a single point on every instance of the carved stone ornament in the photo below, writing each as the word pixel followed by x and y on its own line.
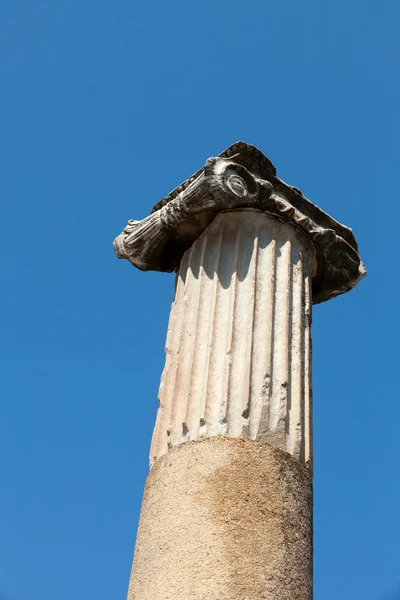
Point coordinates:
pixel 240 177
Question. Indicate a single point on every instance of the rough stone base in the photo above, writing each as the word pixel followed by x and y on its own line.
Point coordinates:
pixel 225 519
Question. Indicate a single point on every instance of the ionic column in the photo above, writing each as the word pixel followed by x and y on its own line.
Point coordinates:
pixel 227 508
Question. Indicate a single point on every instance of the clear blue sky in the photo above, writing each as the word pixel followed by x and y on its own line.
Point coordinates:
pixel 105 107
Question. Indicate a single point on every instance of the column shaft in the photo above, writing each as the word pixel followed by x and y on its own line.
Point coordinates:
pixel 238 345
pixel 225 518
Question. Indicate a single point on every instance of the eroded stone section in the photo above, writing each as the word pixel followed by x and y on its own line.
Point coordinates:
pixel 228 519
pixel 238 343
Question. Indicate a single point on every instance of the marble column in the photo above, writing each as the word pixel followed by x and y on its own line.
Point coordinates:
pixel 227 508
pixel 238 349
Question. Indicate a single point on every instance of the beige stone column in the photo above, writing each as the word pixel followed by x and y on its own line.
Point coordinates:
pixel 227 519
pixel 227 508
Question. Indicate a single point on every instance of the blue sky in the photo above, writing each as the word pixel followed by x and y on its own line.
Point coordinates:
pixel 107 106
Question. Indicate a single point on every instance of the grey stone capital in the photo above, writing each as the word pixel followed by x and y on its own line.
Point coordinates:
pixel 241 176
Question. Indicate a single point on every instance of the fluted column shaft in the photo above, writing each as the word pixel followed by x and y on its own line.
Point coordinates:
pixel 238 351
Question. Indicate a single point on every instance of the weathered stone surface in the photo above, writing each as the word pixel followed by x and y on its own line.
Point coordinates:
pixel 238 351
pixel 227 513
pixel 228 519
pixel 240 177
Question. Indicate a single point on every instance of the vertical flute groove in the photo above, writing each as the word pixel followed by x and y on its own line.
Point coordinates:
pixel 207 277
pixel 240 342
pixel 289 391
pixel 216 382
pixel 306 452
pixel 296 402
pixel 262 335
pixel 278 407
pixel 227 406
pixel 213 274
pixel 191 385
pixel 248 414
pixel 185 352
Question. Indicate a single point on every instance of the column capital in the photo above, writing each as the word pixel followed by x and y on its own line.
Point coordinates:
pixel 241 176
